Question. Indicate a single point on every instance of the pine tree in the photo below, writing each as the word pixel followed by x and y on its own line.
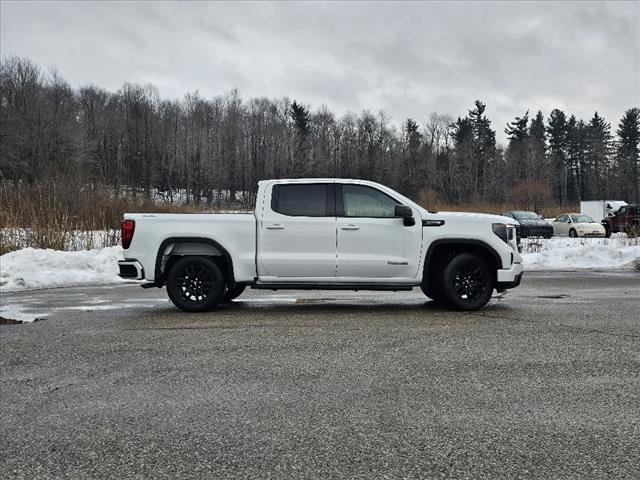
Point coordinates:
pixel 517 149
pixel 576 137
pixel 628 154
pixel 597 156
pixel 413 165
pixel 484 151
pixel 557 131
pixel 460 176
pixel 537 162
pixel 300 116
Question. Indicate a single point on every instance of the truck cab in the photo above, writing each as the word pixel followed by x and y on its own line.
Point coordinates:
pixel 324 234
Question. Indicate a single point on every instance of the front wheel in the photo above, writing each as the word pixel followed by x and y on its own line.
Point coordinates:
pixel 195 284
pixel 467 282
pixel 573 233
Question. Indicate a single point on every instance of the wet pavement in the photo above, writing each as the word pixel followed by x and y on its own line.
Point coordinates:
pixel 117 383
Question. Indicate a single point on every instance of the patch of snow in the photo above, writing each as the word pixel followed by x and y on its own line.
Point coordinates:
pixel 32 268
pixel 19 313
pixel 564 253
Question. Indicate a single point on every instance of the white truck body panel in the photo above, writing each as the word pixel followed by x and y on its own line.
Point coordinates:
pixel 600 209
pixel 268 247
pixel 235 231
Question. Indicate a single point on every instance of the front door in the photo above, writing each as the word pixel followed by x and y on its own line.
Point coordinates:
pixel 372 243
pixel 297 233
pixel 561 226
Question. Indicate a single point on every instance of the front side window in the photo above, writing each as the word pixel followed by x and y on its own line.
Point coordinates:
pixel 363 201
pixel 302 200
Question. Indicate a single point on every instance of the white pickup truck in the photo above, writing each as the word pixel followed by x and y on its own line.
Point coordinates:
pixel 323 234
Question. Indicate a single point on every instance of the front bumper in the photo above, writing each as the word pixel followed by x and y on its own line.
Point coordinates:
pixel 509 277
pixel 130 269
pixel 527 231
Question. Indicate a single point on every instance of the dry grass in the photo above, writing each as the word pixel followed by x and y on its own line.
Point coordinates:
pixel 69 218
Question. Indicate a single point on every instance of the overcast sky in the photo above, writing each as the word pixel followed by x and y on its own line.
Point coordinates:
pixel 409 59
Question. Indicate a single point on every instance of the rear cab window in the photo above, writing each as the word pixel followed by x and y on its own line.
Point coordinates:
pixel 303 199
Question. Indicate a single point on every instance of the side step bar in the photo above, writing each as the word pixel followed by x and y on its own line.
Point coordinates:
pixel 332 286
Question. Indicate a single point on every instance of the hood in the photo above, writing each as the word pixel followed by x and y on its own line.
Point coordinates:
pixel 534 223
pixel 468 216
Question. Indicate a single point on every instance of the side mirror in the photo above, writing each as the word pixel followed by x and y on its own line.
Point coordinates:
pixel 402 211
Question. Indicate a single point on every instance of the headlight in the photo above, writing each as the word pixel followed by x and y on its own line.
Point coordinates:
pixel 500 229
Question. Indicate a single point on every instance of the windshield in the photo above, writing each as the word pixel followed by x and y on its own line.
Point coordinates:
pixel 582 219
pixel 526 216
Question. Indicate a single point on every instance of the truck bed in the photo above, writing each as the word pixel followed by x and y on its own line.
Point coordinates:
pixel 236 231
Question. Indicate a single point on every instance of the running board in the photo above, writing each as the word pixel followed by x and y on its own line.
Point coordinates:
pixel 332 286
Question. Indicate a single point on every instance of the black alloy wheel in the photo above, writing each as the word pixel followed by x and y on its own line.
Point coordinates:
pixel 195 284
pixel 573 233
pixel 468 282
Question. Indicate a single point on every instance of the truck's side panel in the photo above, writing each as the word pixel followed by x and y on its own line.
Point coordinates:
pixel 234 232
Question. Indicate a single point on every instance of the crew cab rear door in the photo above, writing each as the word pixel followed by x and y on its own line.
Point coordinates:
pixel 297 233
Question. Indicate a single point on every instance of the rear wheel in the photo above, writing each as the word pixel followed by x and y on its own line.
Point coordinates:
pixel 195 284
pixel 232 293
pixel 573 233
pixel 467 282
pixel 607 231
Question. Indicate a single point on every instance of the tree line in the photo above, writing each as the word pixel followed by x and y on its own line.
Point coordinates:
pixel 135 143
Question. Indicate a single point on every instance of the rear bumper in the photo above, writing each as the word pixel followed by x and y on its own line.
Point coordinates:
pixel 130 269
pixel 509 277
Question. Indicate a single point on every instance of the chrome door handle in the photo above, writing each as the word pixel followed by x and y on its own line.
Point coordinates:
pixel 274 226
pixel 350 227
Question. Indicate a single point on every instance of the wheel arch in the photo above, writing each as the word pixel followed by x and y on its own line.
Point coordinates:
pixel 191 246
pixel 443 248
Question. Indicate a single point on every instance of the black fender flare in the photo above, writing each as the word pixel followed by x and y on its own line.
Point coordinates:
pixel 464 241
pixel 225 254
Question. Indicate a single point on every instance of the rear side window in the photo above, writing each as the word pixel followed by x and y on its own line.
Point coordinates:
pixel 303 200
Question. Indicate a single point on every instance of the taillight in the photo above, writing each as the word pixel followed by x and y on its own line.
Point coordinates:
pixel 126 229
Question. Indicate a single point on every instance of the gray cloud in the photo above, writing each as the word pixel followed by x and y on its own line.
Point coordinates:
pixel 409 59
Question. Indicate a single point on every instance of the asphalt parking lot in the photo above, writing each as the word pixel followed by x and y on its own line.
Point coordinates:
pixel 116 383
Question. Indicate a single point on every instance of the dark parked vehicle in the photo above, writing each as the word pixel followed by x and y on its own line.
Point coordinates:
pixel 626 219
pixel 531 224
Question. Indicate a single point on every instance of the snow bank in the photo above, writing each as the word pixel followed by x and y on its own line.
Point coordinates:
pixel 580 253
pixel 31 268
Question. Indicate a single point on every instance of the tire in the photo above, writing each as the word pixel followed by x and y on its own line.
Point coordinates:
pixel 573 233
pixel 232 293
pixel 195 284
pixel 467 282
pixel 607 232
